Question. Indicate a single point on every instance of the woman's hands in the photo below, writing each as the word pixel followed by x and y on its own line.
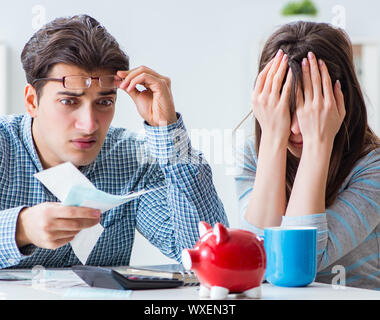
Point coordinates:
pixel 320 112
pixel 320 107
pixel 267 203
pixel 270 107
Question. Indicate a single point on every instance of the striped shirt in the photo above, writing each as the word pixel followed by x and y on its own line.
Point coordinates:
pixel 167 217
pixel 348 236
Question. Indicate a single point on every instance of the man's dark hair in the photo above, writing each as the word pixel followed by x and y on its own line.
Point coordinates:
pixel 79 40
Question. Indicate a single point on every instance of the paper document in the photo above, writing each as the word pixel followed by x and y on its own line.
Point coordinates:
pixel 60 179
pixel 72 188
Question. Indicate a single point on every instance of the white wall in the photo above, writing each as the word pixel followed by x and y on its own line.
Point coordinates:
pixel 207 48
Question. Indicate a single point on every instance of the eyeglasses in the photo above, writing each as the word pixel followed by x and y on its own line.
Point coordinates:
pixel 82 82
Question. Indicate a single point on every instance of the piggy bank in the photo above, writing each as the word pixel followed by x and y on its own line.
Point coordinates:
pixel 227 261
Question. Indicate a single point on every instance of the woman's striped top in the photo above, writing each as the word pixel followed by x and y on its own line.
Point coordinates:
pixel 348 243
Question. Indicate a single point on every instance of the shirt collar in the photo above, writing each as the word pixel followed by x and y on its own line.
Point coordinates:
pixel 27 139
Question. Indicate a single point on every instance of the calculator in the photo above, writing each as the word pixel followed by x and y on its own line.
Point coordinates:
pixel 101 277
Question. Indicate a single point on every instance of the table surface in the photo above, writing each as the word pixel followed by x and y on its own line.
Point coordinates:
pixel 67 285
pixel 315 291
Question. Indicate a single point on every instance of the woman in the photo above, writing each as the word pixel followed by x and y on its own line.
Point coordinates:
pixel 314 161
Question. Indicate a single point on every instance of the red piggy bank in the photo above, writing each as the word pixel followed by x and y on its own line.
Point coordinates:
pixel 227 261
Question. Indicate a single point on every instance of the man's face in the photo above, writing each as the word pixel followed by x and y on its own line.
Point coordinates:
pixel 71 124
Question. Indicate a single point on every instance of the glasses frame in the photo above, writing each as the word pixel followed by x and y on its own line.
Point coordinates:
pixel 63 79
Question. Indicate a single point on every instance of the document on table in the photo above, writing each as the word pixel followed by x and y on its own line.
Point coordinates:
pixel 62 282
pixel 72 188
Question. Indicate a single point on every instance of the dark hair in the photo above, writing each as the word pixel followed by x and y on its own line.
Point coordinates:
pixel 79 40
pixel 354 138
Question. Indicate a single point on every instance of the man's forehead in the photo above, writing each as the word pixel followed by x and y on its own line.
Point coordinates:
pixel 60 70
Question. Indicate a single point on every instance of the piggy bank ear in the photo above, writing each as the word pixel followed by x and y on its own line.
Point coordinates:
pixel 203 228
pixel 190 259
pixel 220 232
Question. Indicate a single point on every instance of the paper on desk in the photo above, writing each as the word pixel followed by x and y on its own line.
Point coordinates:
pixel 96 293
pixel 72 188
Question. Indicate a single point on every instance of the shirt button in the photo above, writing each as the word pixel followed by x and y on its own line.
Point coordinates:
pixel 177 139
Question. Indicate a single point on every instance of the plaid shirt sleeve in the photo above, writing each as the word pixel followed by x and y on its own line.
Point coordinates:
pixel 169 217
pixel 9 252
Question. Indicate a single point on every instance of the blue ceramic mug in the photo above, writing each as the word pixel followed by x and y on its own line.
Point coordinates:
pixel 291 255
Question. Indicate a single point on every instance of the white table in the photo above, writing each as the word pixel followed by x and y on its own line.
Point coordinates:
pixel 62 280
pixel 315 291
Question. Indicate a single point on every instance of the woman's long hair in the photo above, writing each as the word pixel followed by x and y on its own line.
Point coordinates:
pixel 354 138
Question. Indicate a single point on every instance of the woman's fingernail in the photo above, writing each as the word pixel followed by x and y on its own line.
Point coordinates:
pixel 310 55
pixel 320 62
pixel 338 84
pixel 284 58
pixel 304 62
pixel 279 52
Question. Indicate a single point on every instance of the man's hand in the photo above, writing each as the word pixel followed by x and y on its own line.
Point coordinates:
pixel 155 104
pixel 51 225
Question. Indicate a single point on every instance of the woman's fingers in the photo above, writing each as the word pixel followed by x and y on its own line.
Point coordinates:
pixel 279 76
pixel 272 71
pixel 300 101
pixel 306 80
pixel 328 94
pixel 287 88
pixel 339 98
pixel 315 76
pixel 260 81
pixel 321 113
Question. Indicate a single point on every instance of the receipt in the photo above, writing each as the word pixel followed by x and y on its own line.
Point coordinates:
pixel 72 188
pixel 59 179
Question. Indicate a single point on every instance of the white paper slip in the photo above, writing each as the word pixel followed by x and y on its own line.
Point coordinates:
pixel 72 188
pixel 85 241
pixel 59 179
pixel 84 196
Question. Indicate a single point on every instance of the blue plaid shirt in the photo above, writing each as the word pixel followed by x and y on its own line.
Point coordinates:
pixel 168 217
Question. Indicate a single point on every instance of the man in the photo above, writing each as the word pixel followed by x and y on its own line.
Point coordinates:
pixel 73 68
